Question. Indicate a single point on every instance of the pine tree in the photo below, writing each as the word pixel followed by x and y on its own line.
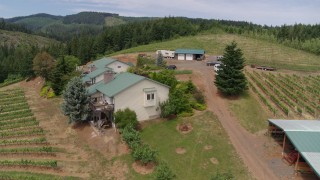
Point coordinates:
pixel 159 60
pixel 230 79
pixel 76 101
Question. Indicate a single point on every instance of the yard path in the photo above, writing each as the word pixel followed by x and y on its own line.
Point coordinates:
pixel 248 146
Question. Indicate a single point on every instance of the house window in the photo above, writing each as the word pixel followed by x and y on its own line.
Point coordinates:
pixel 149 97
pixel 93 80
pixel 119 66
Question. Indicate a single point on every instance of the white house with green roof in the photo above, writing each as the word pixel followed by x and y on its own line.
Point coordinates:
pixel 96 69
pixel 127 90
pixel 111 88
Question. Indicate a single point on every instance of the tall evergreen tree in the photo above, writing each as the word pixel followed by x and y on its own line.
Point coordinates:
pixel 230 79
pixel 159 60
pixel 76 101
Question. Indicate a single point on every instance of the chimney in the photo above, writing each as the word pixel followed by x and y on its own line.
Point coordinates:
pixel 108 76
pixel 92 68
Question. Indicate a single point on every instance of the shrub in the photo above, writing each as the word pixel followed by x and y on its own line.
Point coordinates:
pixel 199 97
pixel 131 137
pixel 144 154
pixel 44 91
pixel 125 117
pixel 51 93
pixel 163 172
pixel 199 107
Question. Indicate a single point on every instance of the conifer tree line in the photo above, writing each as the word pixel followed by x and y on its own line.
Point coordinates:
pixel 86 46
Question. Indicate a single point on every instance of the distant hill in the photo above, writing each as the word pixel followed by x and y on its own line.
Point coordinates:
pixel 18 38
pixel 97 18
pixel 64 27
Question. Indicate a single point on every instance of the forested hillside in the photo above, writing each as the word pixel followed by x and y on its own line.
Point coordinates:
pixel 89 35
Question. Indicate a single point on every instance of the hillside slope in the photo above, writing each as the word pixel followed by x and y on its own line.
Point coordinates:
pixel 19 38
pixel 255 51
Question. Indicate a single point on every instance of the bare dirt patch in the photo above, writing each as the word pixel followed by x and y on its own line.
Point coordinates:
pixel 181 150
pixel 207 147
pixel 184 128
pixel 214 160
pixel 143 169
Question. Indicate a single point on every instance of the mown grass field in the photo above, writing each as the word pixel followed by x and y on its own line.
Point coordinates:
pixel 250 114
pixel 255 51
pixel 195 163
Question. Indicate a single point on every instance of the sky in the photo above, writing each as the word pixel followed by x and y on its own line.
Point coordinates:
pixel 263 12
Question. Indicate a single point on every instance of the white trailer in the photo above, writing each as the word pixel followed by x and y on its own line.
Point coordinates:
pixel 166 53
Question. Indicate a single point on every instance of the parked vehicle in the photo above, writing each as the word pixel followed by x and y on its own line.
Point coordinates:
pixel 212 63
pixel 172 67
pixel 217 68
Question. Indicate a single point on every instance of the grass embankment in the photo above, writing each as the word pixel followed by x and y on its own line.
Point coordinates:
pixel 250 114
pixel 206 141
pixel 255 51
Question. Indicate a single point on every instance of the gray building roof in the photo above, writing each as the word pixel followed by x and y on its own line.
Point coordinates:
pixel 305 136
pixel 190 51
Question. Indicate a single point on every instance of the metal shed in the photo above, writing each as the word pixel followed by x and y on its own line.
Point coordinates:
pixel 190 54
pixel 305 136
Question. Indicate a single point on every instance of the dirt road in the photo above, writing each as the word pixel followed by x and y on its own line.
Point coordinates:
pixel 247 145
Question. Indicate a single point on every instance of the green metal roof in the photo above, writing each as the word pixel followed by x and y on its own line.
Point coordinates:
pixel 93 88
pixel 190 51
pixel 101 63
pixel 305 141
pixel 121 82
pixel 98 72
pixel 305 136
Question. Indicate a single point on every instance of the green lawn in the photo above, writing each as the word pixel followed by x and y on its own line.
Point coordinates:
pixel 255 51
pixel 195 163
pixel 249 112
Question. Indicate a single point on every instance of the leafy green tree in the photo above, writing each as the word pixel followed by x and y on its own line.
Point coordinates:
pixel 76 101
pixel 163 172
pixel 166 77
pixel 43 64
pixel 230 79
pixel 177 103
pixel 125 118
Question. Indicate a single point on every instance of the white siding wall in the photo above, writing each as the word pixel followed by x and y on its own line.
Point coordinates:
pixel 189 57
pixel 134 98
pixel 109 100
pixel 181 56
pixel 119 66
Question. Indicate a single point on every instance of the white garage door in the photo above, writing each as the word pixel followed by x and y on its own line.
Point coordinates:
pixel 180 56
pixel 189 57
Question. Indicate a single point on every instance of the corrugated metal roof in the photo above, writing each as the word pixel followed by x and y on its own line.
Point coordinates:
pixel 314 159
pixel 98 72
pixel 305 136
pixel 93 88
pixel 305 141
pixel 101 63
pixel 297 125
pixel 121 82
pixel 190 51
